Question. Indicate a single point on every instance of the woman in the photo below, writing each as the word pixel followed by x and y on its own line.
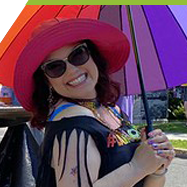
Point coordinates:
pixel 62 77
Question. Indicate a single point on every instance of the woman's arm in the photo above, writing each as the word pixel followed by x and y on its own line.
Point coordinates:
pixel 154 181
pixel 76 161
pixel 125 176
pixel 75 173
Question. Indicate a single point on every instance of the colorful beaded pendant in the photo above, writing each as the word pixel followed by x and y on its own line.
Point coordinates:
pixel 120 136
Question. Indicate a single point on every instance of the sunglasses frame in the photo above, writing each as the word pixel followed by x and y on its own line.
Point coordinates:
pixel 65 60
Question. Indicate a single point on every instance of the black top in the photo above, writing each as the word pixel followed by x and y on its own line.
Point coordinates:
pixel 111 158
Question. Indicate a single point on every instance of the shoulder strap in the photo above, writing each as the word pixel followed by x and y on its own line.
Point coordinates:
pixel 114 110
pixel 121 114
pixel 60 109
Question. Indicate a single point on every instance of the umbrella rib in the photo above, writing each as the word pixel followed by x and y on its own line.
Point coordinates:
pixel 85 6
pixel 154 44
pixel 101 8
pixel 60 10
pixel 176 21
pixel 82 7
pixel 121 27
pixel 12 24
pixel 9 15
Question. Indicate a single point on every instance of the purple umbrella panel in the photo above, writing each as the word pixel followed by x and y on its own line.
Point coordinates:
pixel 161 37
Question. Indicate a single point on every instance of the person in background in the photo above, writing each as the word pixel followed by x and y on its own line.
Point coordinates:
pixel 63 77
pixel 7 97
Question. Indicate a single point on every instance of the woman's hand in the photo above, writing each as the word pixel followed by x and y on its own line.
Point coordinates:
pixel 146 158
pixel 162 146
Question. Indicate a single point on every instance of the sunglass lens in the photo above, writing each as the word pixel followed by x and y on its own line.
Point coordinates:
pixel 79 56
pixel 55 69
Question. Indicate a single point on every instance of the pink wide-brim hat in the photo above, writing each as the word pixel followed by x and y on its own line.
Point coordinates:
pixel 111 43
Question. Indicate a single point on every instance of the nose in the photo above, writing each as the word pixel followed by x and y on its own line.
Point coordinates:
pixel 71 69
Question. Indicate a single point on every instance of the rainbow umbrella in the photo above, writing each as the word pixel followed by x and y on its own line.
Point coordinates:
pixel 157 34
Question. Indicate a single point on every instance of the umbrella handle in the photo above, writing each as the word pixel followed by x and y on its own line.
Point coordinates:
pixel 149 128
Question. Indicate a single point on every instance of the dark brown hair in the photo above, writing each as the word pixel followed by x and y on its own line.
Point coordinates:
pixel 108 91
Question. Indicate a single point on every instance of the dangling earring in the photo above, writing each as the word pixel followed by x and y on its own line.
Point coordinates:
pixel 50 98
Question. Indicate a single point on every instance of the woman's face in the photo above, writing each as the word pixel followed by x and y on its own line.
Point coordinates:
pixel 77 82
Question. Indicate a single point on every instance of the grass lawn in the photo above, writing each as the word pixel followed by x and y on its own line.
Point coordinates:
pixel 171 127
pixel 174 127
pixel 179 144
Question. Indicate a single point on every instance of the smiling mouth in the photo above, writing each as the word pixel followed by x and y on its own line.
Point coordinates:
pixel 79 80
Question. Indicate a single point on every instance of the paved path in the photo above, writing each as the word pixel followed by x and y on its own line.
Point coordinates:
pixel 176 136
pixel 177 175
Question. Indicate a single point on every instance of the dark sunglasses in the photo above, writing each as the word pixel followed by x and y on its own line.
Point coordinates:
pixel 56 68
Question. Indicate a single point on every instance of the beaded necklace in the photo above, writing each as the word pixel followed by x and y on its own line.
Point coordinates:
pixel 116 136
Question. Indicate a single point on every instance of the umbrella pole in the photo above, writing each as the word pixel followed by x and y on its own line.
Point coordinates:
pixel 135 48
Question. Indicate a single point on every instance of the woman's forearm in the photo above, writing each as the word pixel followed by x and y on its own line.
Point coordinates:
pixel 125 176
pixel 153 181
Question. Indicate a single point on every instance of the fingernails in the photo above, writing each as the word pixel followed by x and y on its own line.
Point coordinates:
pixel 161 133
pixel 150 134
pixel 150 142
pixel 159 152
pixel 154 145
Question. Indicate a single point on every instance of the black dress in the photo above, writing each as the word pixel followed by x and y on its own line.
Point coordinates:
pixel 111 158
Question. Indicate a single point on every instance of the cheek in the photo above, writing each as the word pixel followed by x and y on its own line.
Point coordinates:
pixel 92 69
pixel 57 84
pixel 61 89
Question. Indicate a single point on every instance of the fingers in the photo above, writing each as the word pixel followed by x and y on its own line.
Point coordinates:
pixel 161 143
pixel 155 132
pixel 163 160
pixel 164 150
pixel 158 139
pixel 152 155
pixel 143 134
pixel 169 154
pixel 162 146
pixel 158 133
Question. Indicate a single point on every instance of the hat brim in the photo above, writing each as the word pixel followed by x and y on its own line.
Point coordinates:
pixel 111 43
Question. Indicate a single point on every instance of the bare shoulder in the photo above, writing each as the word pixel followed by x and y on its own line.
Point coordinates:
pixel 75 110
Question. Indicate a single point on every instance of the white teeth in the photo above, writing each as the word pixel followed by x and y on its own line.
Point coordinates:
pixel 78 80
